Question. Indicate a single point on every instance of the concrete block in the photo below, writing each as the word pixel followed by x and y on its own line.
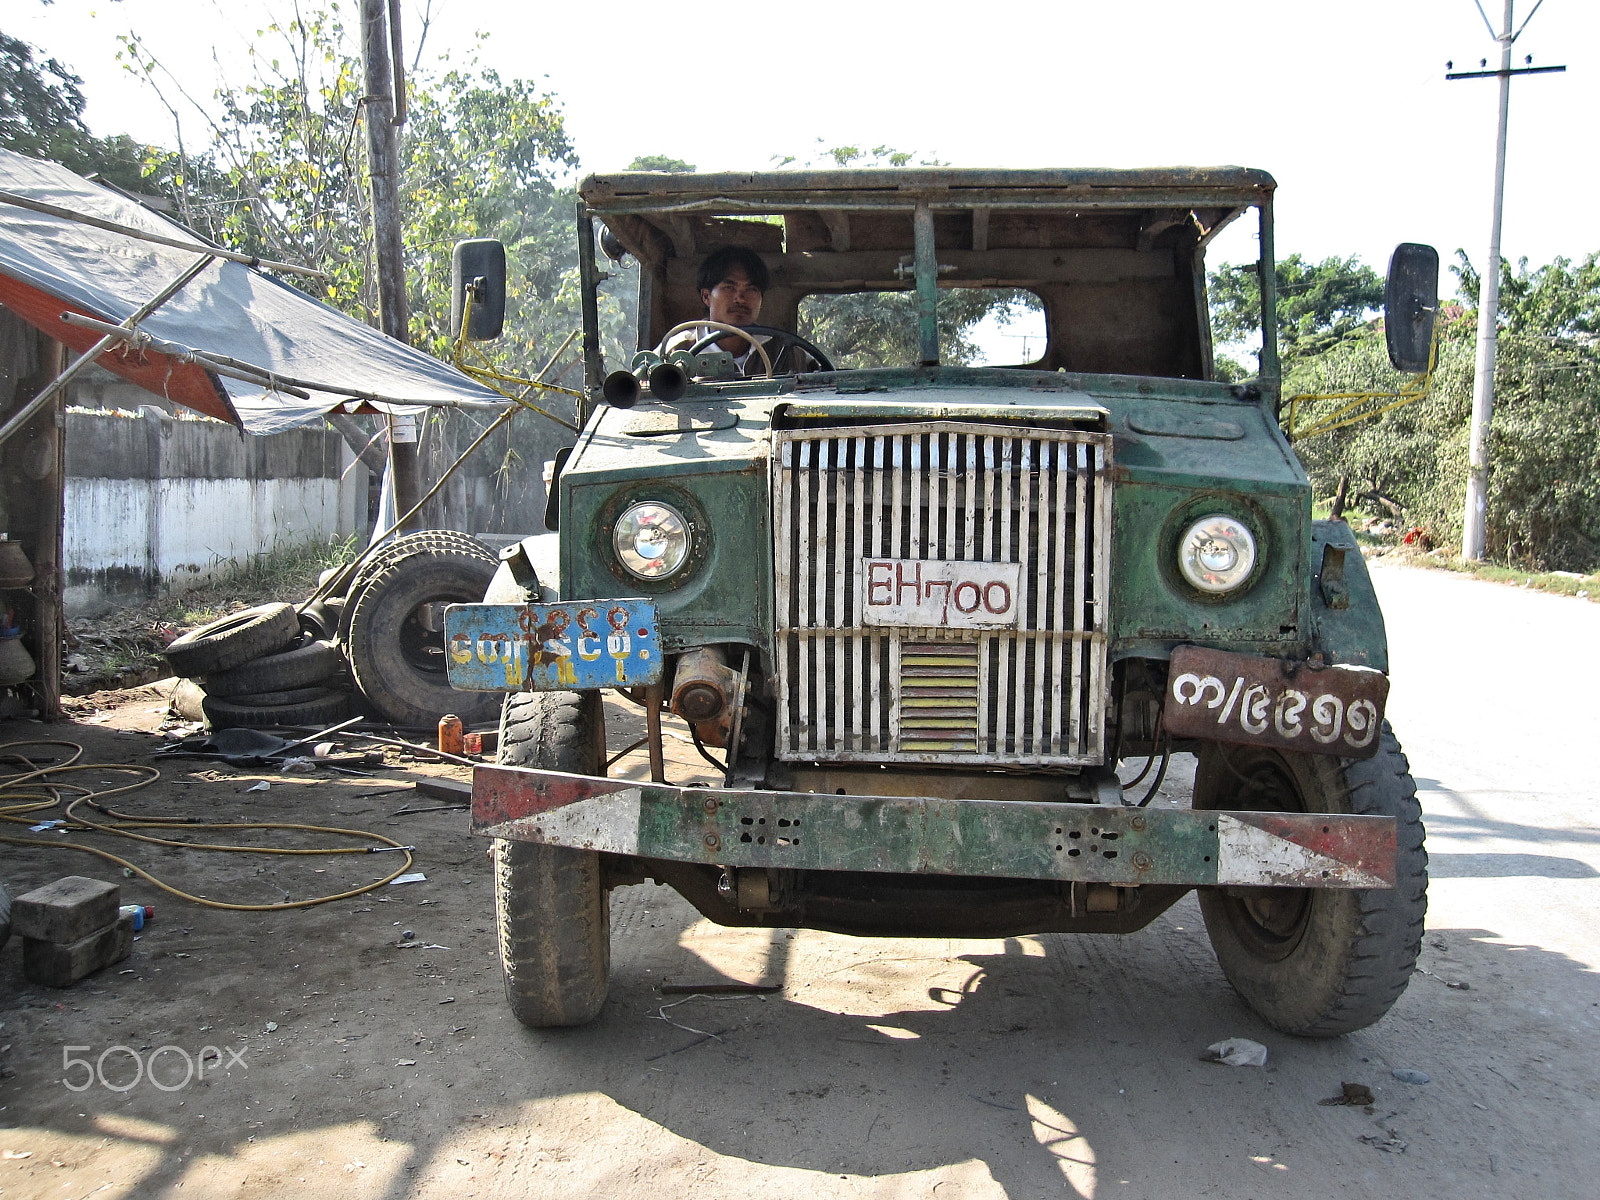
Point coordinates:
pixel 55 965
pixel 67 910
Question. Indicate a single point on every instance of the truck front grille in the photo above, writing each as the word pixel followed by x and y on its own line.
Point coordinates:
pixel 851 692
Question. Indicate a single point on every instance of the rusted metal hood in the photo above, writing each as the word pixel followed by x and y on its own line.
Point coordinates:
pixel 1076 409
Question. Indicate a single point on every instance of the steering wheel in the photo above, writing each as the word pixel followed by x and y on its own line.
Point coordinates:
pixel 786 343
pixel 722 331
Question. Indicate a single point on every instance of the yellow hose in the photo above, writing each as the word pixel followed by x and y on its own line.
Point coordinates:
pixel 34 790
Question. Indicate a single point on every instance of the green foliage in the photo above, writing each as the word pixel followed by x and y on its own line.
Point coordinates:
pixel 855 156
pixel 481 156
pixel 661 162
pixel 1544 480
pixel 41 115
pixel 41 103
pixel 282 173
pixel 1558 300
pixel 879 329
pixel 1319 304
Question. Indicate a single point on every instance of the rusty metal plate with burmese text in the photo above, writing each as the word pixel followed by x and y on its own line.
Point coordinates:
pixel 579 644
pixel 1243 698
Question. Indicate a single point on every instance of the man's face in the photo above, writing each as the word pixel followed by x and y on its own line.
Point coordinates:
pixel 735 300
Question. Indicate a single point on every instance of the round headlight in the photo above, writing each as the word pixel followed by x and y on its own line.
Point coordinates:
pixel 651 540
pixel 1216 553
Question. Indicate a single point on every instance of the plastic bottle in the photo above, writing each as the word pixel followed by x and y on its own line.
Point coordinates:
pixel 450 734
pixel 141 914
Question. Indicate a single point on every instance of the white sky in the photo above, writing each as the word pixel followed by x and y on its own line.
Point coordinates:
pixel 1344 101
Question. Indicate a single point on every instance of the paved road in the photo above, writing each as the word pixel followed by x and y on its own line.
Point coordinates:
pixel 1046 1066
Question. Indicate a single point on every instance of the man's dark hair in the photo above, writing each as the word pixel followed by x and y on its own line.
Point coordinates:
pixel 716 265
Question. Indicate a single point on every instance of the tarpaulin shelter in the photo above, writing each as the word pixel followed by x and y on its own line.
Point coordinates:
pixel 231 313
pixel 101 276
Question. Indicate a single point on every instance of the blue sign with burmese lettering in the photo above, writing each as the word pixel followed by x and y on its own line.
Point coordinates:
pixel 577 645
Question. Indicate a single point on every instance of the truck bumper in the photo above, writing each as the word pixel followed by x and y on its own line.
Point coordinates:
pixel 1077 843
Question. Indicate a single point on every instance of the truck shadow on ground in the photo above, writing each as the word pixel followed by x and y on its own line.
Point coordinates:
pixel 1056 1074
pixel 1051 1066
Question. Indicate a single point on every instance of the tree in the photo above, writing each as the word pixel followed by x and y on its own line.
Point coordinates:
pixel 1319 304
pixel 481 156
pixel 1544 480
pixel 1557 300
pixel 280 171
pixel 661 162
pixel 41 115
pixel 879 329
pixel 855 156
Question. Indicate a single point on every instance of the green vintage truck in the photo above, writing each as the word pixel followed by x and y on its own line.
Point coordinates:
pixel 929 621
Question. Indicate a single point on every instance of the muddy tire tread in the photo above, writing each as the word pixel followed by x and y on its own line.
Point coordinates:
pixel 298 667
pixel 233 640
pixel 424 541
pixel 552 909
pixel 399 691
pixel 1383 927
pixel 326 709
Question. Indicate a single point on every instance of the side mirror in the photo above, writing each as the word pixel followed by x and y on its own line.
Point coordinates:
pixel 1410 305
pixel 479 265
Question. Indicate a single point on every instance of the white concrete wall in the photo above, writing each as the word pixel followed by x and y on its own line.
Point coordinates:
pixel 154 504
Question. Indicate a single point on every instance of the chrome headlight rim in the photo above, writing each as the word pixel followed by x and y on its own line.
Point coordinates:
pixel 1218 553
pixel 666 517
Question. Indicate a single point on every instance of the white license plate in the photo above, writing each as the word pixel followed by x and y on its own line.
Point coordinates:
pixel 940 593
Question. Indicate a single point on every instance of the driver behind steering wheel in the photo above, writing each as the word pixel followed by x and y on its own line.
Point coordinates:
pixel 732 280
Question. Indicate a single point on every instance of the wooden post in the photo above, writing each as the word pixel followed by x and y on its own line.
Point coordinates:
pixel 48 569
pixel 31 474
pixel 383 166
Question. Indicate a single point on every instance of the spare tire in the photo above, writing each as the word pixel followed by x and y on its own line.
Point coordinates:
pixel 298 667
pixel 236 639
pixel 327 708
pixel 426 541
pixel 396 638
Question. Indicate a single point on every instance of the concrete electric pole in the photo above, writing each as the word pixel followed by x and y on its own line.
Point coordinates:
pixel 384 113
pixel 1472 527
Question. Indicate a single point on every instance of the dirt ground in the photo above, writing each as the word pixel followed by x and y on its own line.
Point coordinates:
pixel 363 1048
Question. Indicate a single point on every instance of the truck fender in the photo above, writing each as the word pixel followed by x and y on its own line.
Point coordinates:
pixel 1346 622
pixel 533 578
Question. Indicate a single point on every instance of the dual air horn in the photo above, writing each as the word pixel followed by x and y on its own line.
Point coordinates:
pixel 667 378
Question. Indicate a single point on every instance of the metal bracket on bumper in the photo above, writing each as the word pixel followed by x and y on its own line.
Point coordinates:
pixel 923 835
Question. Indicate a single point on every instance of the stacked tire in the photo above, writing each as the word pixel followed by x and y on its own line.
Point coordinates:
pixel 391 626
pixel 258 669
pixel 276 665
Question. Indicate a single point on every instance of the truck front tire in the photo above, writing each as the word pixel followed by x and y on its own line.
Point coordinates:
pixel 1318 962
pixel 552 908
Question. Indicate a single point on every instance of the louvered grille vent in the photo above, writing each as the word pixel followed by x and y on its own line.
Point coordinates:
pixel 941 594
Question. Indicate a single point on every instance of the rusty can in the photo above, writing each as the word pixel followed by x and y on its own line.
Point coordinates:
pixel 472 744
pixel 450 734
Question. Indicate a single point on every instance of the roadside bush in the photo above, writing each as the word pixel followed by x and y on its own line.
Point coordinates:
pixel 1544 478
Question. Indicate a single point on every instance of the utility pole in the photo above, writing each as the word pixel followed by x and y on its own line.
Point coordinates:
pixel 384 105
pixel 1472 525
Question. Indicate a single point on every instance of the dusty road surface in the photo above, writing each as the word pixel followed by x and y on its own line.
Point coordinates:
pixel 1047 1066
